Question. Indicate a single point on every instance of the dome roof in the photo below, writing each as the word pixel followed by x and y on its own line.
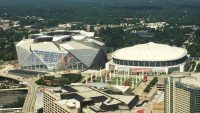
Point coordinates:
pixel 150 52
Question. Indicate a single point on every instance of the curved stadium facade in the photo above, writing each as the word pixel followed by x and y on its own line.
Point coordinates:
pixel 61 50
pixel 150 57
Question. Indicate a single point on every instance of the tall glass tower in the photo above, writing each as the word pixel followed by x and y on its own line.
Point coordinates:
pixel 182 94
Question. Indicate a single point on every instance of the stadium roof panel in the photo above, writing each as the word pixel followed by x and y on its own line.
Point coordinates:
pixel 57 38
pixel 25 44
pixel 45 46
pixel 86 56
pixel 77 45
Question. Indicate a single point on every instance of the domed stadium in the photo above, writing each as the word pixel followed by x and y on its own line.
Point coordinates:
pixel 150 56
pixel 63 50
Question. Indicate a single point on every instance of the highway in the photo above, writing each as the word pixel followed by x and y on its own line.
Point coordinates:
pixel 30 100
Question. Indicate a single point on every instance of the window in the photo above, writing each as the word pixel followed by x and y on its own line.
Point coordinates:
pixel 125 62
pixel 157 64
pixel 141 63
pixel 131 63
pixel 117 61
pixel 163 63
pixel 146 63
pixel 136 63
pixel 121 62
pixel 152 64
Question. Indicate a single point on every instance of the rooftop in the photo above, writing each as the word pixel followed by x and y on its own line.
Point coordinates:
pixel 193 80
pixel 95 98
pixel 150 52
pixel 71 103
pixel 187 78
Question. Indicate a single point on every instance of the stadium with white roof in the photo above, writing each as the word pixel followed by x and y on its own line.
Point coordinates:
pixel 61 50
pixel 150 57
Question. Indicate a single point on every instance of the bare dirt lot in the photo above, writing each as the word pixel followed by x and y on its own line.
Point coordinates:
pixel 8 97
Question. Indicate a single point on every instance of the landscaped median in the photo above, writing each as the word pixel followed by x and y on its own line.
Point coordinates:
pixel 59 81
pixel 151 84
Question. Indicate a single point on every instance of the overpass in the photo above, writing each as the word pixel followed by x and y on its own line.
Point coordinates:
pixel 11 109
pixel 30 99
pixel 13 89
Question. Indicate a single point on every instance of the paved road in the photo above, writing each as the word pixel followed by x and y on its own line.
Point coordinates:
pixel 10 109
pixel 14 89
pixel 29 103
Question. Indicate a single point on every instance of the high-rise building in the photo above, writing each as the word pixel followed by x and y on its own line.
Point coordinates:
pixel 182 94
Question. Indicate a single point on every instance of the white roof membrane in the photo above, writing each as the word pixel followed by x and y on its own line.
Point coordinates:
pixel 150 52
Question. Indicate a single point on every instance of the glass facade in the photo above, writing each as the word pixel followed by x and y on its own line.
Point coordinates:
pixel 150 63
pixel 194 96
pixel 70 62
pixel 60 61
pixel 50 58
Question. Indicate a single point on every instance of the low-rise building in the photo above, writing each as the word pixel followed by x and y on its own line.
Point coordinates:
pixel 64 26
pixel 86 99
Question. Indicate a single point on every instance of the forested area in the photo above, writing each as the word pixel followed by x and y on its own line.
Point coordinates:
pixel 104 11
pixel 194 48
pixel 174 12
pixel 118 38
pixel 7 42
